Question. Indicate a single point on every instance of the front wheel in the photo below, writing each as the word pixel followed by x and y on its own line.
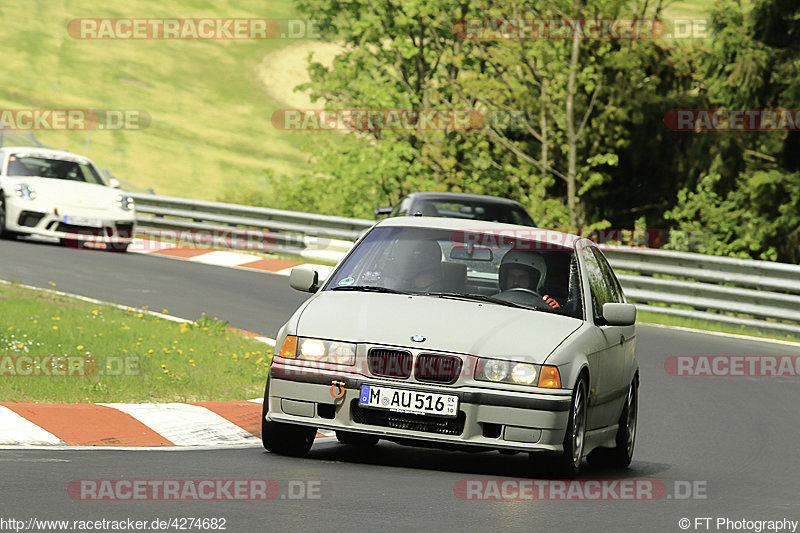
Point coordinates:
pixel 621 455
pixel 284 439
pixel 356 439
pixel 117 246
pixel 4 233
pixel 568 463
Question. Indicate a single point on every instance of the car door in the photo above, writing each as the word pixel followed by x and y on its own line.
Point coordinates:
pixel 622 363
pixel 622 371
pixel 608 358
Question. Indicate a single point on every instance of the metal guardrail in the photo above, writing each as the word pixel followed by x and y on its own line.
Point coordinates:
pixel 740 292
pixel 310 236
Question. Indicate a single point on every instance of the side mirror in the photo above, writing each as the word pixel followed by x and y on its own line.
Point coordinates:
pixel 617 314
pixel 383 211
pixel 304 279
pixel 114 183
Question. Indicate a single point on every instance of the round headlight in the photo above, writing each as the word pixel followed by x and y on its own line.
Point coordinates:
pixel 495 370
pixel 312 349
pixel 523 373
pixel 125 202
pixel 25 191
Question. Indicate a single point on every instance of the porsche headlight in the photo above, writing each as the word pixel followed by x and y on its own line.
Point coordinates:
pixel 323 351
pixel 125 202
pixel 25 191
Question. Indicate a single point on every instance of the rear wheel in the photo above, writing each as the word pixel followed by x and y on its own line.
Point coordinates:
pixel 284 439
pixel 356 439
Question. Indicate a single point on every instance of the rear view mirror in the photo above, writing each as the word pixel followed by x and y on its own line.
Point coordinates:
pixel 383 211
pixel 304 279
pixel 471 253
pixel 618 314
pixel 114 183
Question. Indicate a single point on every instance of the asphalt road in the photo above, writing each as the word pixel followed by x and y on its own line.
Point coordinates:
pixel 734 440
pixel 254 301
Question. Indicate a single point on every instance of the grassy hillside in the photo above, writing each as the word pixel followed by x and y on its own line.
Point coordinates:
pixel 210 101
pixel 210 111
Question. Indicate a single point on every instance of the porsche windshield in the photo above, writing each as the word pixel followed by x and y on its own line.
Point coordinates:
pixel 483 267
pixel 43 167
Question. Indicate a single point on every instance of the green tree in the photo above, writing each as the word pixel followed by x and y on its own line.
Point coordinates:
pixel 745 202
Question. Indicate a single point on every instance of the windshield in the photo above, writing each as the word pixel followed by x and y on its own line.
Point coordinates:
pixel 486 267
pixel 52 168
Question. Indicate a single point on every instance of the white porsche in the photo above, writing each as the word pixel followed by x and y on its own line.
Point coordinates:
pixel 58 194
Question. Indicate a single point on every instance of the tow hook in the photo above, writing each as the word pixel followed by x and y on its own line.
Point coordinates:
pixel 337 389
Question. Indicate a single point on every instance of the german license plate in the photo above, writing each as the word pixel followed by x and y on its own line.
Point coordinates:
pixel 83 221
pixel 408 401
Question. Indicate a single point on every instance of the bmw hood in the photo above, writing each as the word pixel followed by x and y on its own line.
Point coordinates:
pixel 465 327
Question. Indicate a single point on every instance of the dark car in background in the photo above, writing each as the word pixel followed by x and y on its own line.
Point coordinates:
pixel 459 205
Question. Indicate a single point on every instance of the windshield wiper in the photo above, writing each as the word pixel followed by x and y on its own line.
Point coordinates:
pixel 478 298
pixel 367 288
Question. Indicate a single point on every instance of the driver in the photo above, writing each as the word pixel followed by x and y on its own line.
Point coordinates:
pixel 524 270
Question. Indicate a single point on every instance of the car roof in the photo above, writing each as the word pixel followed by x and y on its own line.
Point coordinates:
pixel 556 238
pixel 35 151
pixel 455 196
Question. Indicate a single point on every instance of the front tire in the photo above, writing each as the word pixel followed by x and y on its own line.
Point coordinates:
pixel 117 247
pixel 356 439
pixel 284 439
pixel 569 462
pixel 4 233
pixel 621 455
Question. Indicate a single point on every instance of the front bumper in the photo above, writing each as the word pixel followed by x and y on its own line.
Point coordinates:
pixel 488 418
pixel 35 220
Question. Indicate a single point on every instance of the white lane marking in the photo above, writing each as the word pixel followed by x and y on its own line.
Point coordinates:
pixel 186 425
pixel 171 318
pixel 147 246
pixel 720 334
pixel 66 447
pixel 100 302
pixel 15 429
pixel 224 258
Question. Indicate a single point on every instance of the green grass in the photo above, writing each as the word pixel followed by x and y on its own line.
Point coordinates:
pixel 210 113
pixel 666 320
pixel 683 9
pixel 140 357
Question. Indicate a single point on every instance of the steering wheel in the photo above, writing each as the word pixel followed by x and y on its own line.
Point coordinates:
pixel 524 290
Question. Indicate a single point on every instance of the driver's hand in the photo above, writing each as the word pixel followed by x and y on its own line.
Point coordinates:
pixel 552 302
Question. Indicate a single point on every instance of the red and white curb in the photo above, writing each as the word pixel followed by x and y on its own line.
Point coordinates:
pixel 234 259
pixel 211 424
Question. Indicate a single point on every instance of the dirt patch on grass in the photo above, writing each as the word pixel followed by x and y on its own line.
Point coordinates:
pixel 282 70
